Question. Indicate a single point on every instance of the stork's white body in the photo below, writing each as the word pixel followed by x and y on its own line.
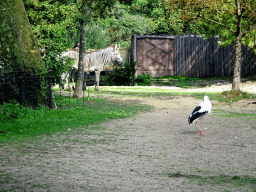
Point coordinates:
pixel 200 110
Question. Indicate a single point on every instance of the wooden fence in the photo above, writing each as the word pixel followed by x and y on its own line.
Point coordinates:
pixel 187 55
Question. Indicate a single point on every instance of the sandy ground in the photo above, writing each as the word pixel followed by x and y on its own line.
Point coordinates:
pixel 154 151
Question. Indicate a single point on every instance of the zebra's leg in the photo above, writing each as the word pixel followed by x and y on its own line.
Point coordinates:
pixel 85 79
pixel 65 81
pixel 73 76
pixel 73 82
pixel 69 74
pixel 97 80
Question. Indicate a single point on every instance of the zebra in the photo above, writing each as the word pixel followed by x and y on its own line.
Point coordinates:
pixel 94 61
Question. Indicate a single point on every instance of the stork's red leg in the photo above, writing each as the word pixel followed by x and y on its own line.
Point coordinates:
pixel 201 121
pixel 201 127
pixel 201 132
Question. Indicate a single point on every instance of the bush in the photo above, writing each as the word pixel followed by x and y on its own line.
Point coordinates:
pixel 121 76
pixel 144 79
pixel 13 110
pixel 234 95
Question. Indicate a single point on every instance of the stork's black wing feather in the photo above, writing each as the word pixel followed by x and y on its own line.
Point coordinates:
pixel 196 114
pixel 197 108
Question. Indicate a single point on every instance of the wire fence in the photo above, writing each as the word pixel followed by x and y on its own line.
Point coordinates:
pixel 25 88
pixel 37 92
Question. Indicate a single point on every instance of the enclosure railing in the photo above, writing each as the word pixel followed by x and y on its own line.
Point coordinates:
pixel 27 89
pixel 35 92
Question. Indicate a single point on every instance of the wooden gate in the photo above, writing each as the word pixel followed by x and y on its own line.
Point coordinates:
pixel 154 56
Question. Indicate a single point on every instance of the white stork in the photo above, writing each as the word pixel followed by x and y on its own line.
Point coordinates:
pixel 199 111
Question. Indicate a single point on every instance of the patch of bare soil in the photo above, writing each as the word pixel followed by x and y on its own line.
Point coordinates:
pixel 154 151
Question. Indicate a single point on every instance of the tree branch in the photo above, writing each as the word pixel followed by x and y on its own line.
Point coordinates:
pixel 253 27
pixel 218 23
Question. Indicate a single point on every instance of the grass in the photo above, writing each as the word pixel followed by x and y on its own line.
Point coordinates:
pixel 82 113
pixel 145 92
pixel 182 82
pixel 226 96
pixel 236 181
pixel 246 116
pixel 179 81
pixel 188 82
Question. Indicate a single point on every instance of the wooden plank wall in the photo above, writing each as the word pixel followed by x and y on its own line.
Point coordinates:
pixel 198 57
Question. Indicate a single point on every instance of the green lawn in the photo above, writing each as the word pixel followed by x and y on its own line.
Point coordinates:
pixel 159 92
pixel 73 113
pixel 189 82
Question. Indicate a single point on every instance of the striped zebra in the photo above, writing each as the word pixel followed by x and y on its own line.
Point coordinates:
pixel 94 61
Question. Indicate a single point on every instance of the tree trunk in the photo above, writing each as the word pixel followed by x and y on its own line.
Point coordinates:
pixel 237 67
pixel 78 93
pixel 238 51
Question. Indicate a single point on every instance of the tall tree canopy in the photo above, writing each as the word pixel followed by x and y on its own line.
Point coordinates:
pixel 56 23
pixel 121 23
pixel 233 20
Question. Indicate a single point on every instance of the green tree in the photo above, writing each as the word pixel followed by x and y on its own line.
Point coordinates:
pixel 121 24
pixel 54 23
pixel 233 20
pixel 98 36
pixel 163 20
pixel 155 11
pixel 18 50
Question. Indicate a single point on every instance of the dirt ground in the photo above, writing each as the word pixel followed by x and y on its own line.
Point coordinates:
pixel 154 151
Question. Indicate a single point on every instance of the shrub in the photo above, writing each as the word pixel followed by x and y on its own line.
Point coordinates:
pixel 234 95
pixel 144 79
pixel 121 76
pixel 13 110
